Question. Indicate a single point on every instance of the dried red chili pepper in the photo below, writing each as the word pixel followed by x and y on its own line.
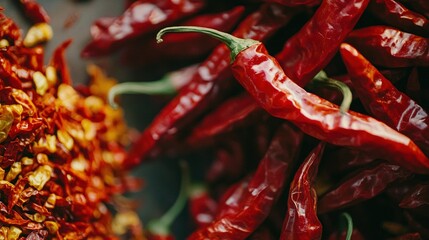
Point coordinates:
pixel 365 184
pixel 202 207
pixel 301 220
pixel 390 47
pixel 34 11
pixel 346 159
pixel 59 62
pixel 311 49
pixel 232 114
pixel 261 75
pixel 140 18
pixel 207 87
pixel 380 98
pixel 196 45
pixel 416 197
pixel 409 236
pixel 169 84
pixel 397 15
pixel 421 6
pixel 263 189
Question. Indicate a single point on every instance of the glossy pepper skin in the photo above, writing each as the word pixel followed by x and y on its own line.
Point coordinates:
pixel 397 15
pixel 365 184
pixel 140 18
pixel 311 49
pixel 202 207
pixel 386 103
pixel 207 86
pixel 301 221
pixel 34 11
pixel 264 187
pixel 264 79
pixel 196 45
pixel 390 47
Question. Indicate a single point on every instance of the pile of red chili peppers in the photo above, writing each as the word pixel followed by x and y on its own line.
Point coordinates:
pixel 283 159
pixel 61 149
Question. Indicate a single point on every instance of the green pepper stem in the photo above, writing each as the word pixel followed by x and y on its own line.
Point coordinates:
pixel 322 78
pixel 160 87
pixel 162 225
pixel 349 221
pixel 236 45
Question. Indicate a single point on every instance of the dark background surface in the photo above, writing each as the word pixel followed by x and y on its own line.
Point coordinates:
pixel 161 177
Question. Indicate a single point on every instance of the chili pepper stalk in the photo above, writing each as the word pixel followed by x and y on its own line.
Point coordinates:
pixel 261 75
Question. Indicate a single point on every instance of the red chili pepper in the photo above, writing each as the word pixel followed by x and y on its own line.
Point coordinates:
pixel 365 184
pixel 311 49
pixel 301 220
pixel 207 87
pixel 263 189
pixel 34 11
pixel 390 47
pixel 416 197
pixel 397 15
pixel 196 45
pixel 409 236
pixel 237 112
pixel 140 18
pixel 202 206
pixel 380 98
pixel 261 75
pixel 59 62
pixel 421 6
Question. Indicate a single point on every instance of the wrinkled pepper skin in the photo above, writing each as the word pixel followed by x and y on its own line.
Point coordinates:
pixel 310 50
pixel 140 18
pixel 389 47
pixel 264 79
pixel 261 193
pixel 365 184
pixel 301 221
pixel 386 103
pixel 207 87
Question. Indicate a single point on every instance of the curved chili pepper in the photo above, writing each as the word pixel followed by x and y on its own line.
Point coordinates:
pixel 59 62
pixel 34 11
pixel 202 206
pixel 196 45
pixel 420 6
pixel 234 113
pixel 208 86
pixel 365 184
pixel 397 15
pixel 301 220
pixel 261 75
pixel 380 98
pixel 141 17
pixel 311 49
pixel 390 47
pixel 263 189
pixel 346 159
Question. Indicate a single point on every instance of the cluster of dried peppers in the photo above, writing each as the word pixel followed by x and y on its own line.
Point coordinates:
pixel 286 162
pixel 61 150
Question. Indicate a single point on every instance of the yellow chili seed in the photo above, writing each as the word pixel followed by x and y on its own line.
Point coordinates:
pixel 40 177
pixel 41 82
pixel 51 75
pixel 39 33
pixel 15 169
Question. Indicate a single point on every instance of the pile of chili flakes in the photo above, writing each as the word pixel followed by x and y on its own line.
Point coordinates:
pixel 61 149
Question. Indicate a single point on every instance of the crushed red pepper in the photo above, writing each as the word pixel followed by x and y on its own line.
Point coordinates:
pixel 61 150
